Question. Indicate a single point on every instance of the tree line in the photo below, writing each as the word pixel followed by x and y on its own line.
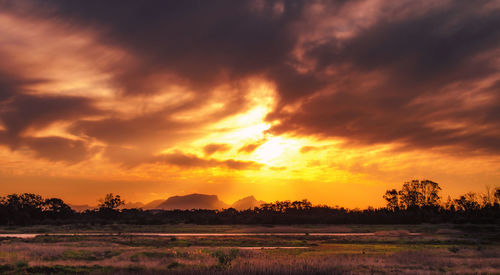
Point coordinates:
pixel 419 194
pixel 417 201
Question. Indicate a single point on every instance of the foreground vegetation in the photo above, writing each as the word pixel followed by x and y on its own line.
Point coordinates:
pixel 440 248
pixel 416 233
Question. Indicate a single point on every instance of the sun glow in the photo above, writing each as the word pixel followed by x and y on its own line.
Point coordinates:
pixel 244 127
pixel 271 151
pixel 249 129
pixel 249 126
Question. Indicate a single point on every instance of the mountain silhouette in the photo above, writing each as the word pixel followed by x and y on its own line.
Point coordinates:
pixel 130 205
pixel 81 207
pixel 247 203
pixel 153 204
pixel 193 201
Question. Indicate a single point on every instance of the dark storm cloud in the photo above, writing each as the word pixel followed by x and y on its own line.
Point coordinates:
pixel 415 55
pixel 411 81
pixel 20 111
pixel 52 148
pixel 24 111
pixel 199 41
pixel 416 75
pixel 10 84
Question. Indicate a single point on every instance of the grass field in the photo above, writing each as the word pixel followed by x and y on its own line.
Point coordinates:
pixel 438 249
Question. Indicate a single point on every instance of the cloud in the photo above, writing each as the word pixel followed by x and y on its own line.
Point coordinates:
pixel 421 81
pixel 51 148
pixel 211 44
pixel 127 157
pixel 149 130
pixel 10 83
pixel 212 148
pixel 307 149
pixel 249 148
pixel 134 157
pixel 38 83
pixel 23 111
pixel 59 149
pixel 159 129
pixel 417 75
pixel 193 161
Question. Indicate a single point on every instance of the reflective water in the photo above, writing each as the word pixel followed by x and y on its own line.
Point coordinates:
pixel 33 235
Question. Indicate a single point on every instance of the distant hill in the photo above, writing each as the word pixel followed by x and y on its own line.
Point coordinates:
pixel 153 205
pixel 82 207
pixel 193 201
pixel 130 205
pixel 247 203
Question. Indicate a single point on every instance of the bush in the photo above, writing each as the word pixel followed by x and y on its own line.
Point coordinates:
pixel 225 258
pixel 173 265
pixel 21 264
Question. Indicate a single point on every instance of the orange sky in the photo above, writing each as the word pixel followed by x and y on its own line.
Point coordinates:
pixel 331 101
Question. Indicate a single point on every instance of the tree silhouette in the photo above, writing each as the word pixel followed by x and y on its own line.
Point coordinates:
pixel 416 194
pixel 409 194
pixel 497 195
pixel 391 196
pixel 23 209
pixel 111 202
pixel 430 193
pixel 468 202
pixel 416 202
pixel 55 207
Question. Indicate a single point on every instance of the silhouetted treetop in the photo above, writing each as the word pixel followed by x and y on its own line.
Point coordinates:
pixel 111 202
pixel 414 194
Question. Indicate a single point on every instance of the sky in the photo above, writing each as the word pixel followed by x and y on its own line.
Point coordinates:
pixel 333 101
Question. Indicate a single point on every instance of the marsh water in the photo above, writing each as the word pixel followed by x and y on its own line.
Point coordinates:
pixel 34 235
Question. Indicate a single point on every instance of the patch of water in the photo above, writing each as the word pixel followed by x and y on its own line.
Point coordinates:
pixel 33 235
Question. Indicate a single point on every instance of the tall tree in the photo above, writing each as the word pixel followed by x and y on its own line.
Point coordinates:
pixel 391 196
pixel 468 202
pixel 410 195
pixel 56 208
pixel 430 193
pixel 111 202
pixel 497 195
pixel 416 194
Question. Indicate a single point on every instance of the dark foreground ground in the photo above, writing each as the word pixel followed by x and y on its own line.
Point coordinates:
pixel 461 249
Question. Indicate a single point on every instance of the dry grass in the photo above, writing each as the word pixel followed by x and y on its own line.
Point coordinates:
pixel 392 252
